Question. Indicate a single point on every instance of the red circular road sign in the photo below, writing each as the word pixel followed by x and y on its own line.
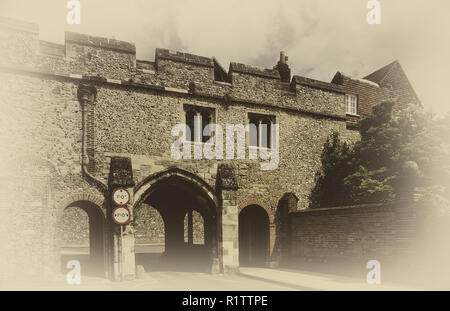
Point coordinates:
pixel 121 196
pixel 121 215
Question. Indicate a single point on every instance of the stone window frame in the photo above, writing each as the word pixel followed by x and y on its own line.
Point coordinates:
pixel 353 111
pixel 261 116
pixel 212 111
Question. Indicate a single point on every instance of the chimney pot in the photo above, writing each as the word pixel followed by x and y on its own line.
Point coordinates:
pixel 283 57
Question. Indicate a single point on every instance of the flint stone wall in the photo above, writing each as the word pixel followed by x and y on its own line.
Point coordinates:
pixel 138 103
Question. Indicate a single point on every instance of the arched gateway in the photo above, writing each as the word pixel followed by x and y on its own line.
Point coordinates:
pixel 190 243
pixel 197 228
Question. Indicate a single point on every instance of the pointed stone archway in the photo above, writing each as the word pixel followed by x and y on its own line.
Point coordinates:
pixel 177 195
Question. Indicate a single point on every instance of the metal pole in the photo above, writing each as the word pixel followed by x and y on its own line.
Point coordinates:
pixel 122 274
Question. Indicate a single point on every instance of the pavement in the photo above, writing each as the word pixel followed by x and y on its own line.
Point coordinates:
pixel 313 281
pixel 248 279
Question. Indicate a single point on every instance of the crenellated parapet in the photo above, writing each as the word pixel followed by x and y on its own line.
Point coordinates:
pixel 19 42
pixel 112 61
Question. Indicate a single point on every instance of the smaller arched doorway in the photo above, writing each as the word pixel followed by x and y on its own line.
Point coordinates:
pixel 82 232
pixel 253 236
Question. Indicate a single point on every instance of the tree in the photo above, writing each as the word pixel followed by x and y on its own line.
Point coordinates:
pixel 436 187
pixel 398 152
pixel 330 189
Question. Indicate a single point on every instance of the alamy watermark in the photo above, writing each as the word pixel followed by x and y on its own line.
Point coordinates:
pixel 374 275
pixel 374 15
pixel 73 277
pixel 263 143
pixel 74 15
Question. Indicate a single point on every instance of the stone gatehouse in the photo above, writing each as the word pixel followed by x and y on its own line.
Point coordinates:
pixel 83 118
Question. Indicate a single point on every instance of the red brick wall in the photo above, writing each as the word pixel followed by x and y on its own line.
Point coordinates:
pixel 368 94
pixel 394 87
pixel 401 86
pixel 354 233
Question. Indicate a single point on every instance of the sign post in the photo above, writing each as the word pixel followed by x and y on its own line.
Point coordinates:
pixel 120 212
pixel 122 272
pixel 121 215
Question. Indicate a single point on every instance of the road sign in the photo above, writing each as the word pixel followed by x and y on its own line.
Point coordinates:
pixel 121 215
pixel 121 196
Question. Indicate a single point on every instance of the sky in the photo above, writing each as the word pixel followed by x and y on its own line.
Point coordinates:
pixel 320 37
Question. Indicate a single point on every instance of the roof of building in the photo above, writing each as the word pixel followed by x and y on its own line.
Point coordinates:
pixel 337 79
pixel 379 75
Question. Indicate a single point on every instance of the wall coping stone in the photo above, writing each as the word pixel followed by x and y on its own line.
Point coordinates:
pixel 254 70
pixel 325 86
pixel 183 57
pixel 15 24
pixel 104 43
pixel 351 208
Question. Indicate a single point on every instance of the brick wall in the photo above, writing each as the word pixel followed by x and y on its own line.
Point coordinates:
pixel 393 86
pixel 369 94
pixel 354 233
pixel 398 82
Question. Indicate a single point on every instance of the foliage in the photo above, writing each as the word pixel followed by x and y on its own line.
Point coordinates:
pixel 335 167
pixel 370 186
pixel 398 152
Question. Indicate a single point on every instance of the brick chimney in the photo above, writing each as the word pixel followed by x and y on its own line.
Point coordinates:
pixel 283 67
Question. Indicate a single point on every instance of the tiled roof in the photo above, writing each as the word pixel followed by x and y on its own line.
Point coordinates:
pixel 339 76
pixel 381 73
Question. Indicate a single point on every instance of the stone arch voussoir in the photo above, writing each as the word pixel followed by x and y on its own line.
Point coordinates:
pixel 95 199
pixel 253 201
pixel 141 190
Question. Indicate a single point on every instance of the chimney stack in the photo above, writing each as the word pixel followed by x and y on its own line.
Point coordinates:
pixel 283 67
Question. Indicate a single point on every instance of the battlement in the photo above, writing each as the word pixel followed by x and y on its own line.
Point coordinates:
pixel 318 84
pixel 99 42
pixel 253 70
pixel 18 25
pixel 115 61
pixel 187 58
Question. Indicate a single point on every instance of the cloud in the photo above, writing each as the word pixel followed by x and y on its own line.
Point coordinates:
pixel 286 31
pixel 319 36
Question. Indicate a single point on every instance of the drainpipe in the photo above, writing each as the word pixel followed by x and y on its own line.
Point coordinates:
pixel 87 95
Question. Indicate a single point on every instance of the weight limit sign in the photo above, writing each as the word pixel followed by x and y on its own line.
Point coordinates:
pixel 121 215
pixel 121 196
